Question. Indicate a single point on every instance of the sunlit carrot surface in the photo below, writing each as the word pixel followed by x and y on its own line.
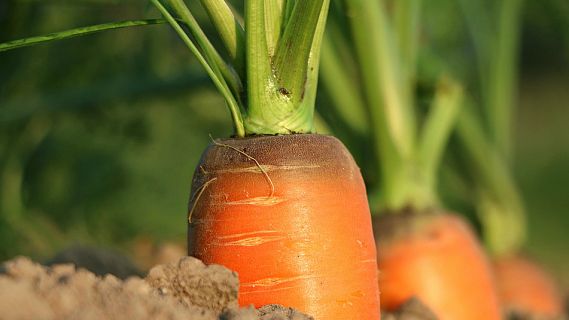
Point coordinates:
pixel 436 258
pixel 525 287
pixel 290 215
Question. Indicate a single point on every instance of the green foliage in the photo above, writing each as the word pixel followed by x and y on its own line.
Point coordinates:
pixel 271 90
pixel 99 135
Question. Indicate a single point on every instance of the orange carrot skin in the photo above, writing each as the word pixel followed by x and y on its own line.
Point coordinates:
pixel 524 286
pixel 437 259
pixel 307 244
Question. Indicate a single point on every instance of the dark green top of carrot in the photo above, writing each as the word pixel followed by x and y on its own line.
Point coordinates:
pixel 269 83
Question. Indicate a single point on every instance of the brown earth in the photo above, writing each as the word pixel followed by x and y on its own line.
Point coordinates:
pixel 413 309
pixel 187 289
pixel 516 315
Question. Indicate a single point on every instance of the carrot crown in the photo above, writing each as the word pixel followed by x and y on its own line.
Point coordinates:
pixel 269 82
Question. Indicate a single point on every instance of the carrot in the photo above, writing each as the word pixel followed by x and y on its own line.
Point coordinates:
pixel 436 258
pixel 290 215
pixel 283 207
pixel 525 287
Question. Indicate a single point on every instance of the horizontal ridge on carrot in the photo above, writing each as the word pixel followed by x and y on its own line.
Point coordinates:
pixel 283 207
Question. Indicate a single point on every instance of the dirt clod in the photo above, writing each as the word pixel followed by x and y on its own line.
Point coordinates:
pixel 193 283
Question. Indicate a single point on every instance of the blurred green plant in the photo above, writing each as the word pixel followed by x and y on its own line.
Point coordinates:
pixel 97 141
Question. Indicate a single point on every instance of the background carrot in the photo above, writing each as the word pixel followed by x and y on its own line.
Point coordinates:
pixel 286 209
pixel 423 250
pixel 434 258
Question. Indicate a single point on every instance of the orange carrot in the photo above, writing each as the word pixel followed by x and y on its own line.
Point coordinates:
pixel 436 258
pixel 290 215
pixel 525 287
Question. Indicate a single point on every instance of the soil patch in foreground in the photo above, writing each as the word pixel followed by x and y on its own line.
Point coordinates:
pixel 187 289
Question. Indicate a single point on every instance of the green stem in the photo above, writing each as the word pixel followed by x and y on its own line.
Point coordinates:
pixel 293 52
pixel 213 73
pixel 502 75
pixel 480 26
pixel 20 43
pixel 259 73
pixel 314 58
pixel 274 17
pixel 438 127
pixel 230 30
pixel 347 100
pixel 392 115
pixel 382 68
pixel 282 89
pixel 407 18
pixel 500 207
pixel 210 53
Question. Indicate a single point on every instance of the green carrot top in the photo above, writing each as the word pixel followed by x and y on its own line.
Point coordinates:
pixel 270 82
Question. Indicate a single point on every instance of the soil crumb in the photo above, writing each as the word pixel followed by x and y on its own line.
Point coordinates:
pixel 195 284
pixel 517 315
pixel 187 289
pixel 412 309
pixel 278 312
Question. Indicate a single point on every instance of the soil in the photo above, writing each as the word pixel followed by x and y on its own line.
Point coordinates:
pixel 187 289
pixel 413 309
pixel 515 315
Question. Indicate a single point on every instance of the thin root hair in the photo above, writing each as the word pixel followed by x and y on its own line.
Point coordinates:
pixel 272 185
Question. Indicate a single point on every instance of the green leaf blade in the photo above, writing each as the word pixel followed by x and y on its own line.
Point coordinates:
pixel 230 30
pixel 72 33
pixel 211 70
pixel 293 52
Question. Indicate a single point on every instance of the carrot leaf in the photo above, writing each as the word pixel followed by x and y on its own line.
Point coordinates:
pixel 208 50
pixel 294 49
pixel 211 68
pixel 82 31
pixel 230 30
pixel 347 98
pixel 274 14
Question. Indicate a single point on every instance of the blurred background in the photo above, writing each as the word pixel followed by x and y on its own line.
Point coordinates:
pixel 99 135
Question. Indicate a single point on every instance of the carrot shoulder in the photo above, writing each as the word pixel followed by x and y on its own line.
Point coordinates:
pixel 290 215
